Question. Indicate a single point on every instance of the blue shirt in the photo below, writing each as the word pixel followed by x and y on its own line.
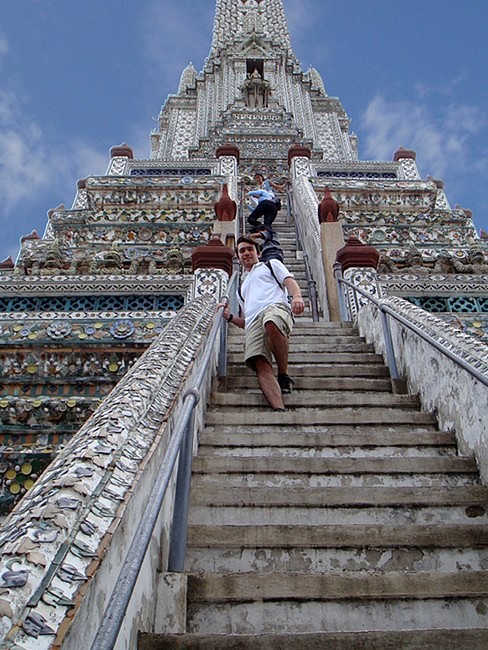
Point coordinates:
pixel 262 195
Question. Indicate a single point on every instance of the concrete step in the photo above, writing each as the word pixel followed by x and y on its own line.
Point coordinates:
pixel 324 399
pixel 339 496
pixel 317 371
pixel 320 516
pixel 301 559
pixel 321 345
pixel 266 464
pixel 248 587
pixel 319 358
pixel 331 339
pixel 338 436
pixel 352 536
pixel 347 602
pixel 257 416
pixel 302 326
pixel 428 639
pixel 411 451
pixel 318 383
pixel 269 479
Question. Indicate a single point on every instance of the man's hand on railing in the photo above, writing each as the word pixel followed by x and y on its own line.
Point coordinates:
pixel 229 316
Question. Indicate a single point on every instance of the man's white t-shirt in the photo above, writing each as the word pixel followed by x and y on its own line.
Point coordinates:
pixel 260 289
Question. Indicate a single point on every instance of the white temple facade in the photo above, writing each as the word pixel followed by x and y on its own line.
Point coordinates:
pixel 103 318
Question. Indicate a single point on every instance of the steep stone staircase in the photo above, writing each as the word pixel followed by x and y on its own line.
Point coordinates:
pixel 349 521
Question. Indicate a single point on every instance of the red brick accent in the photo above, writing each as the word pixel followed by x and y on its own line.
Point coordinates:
pixel 122 150
pixel 328 208
pixel 7 263
pixel 404 153
pixel 227 149
pixel 225 208
pixel 213 255
pixel 298 150
pixel 33 235
pixel 357 254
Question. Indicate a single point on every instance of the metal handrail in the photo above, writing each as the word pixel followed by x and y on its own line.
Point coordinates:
pixel 311 284
pixel 180 444
pixel 386 309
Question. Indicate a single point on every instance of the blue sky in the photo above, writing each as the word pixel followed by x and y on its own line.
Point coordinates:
pixel 78 77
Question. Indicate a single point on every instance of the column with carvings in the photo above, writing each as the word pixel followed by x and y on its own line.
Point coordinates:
pixel 226 225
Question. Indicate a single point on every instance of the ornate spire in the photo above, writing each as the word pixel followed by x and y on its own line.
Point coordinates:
pixel 188 78
pixel 237 19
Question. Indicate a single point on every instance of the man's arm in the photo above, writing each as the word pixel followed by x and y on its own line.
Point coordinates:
pixel 232 318
pixel 297 304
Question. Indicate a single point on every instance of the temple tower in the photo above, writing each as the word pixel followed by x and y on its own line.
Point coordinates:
pixel 103 318
pixel 252 94
pixel 83 301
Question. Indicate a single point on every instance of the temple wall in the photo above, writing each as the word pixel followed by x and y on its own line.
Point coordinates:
pixel 458 399
pixel 71 532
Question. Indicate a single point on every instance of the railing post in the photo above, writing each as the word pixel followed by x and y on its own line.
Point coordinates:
pixel 177 546
pixel 222 362
pixel 340 292
pixel 398 384
pixel 232 301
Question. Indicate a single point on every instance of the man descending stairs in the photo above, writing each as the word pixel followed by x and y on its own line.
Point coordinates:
pixel 347 521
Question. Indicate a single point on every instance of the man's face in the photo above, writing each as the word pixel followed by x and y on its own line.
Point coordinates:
pixel 247 254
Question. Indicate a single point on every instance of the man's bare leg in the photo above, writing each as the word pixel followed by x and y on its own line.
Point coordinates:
pixel 268 383
pixel 279 346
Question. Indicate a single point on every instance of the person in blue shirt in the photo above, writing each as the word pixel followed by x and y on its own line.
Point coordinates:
pixel 263 183
pixel 266 208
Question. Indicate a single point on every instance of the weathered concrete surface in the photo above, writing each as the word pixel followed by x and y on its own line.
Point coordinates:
pixel 348 520
pixel 443 386
pixel 404 639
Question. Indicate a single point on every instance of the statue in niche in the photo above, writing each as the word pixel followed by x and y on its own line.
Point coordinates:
pixel 476 262
pixel 443 263
pixel 415 262
pixel 256 90
pixel 386 264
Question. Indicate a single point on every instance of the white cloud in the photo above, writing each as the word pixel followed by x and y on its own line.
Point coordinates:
pixel 443 89
pixel 22 165
pixel 30 165
pixel 82 160
pixel 441 135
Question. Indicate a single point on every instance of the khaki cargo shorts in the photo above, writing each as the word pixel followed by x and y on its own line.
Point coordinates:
pixel 256 343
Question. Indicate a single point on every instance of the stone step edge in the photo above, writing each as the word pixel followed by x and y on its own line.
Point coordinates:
pixel 327 371
pixel 469 496
pixel 313 358
pixel 338 536
pixel 250 587
pixel 407 639
pixel 338 379
pixel 321 399
pixel 307 416
pixel 225 436
pixel 267 464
